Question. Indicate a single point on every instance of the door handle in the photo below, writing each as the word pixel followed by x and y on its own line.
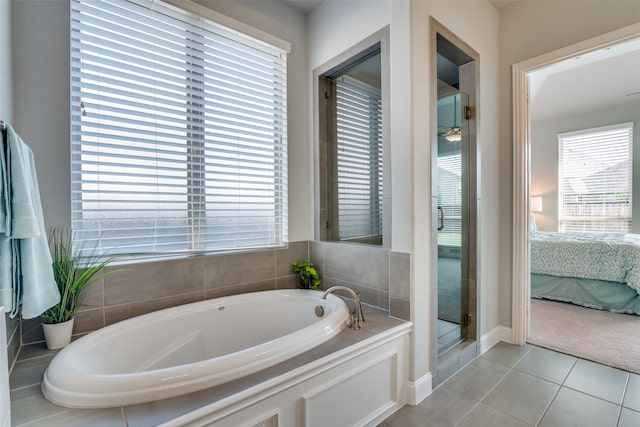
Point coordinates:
pixel 441 227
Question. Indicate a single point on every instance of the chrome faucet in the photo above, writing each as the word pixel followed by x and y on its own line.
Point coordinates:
pixel 356 316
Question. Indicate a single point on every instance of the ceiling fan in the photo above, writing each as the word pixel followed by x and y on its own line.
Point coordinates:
pixel 452 134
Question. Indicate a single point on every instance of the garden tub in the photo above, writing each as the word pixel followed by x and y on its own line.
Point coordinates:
pixel 191 347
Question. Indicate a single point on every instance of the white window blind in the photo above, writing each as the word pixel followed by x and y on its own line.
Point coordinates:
pixel 178 137
pixel 596 179
pixel 450 199
pixel 359 154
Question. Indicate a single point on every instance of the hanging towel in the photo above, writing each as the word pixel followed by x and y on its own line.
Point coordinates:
pixel 6 251
pixel 5 208
pixel 33 287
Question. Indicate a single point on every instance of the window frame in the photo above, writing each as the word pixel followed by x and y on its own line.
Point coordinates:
pixel 589 138
pixel 195 180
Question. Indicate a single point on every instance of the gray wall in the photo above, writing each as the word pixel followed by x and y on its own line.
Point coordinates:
pixel 544 157
pixel 6 114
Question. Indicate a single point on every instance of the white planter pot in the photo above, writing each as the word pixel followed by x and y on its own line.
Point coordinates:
pixel 58 335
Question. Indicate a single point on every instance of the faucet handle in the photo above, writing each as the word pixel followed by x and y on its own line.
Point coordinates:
pixel 355 320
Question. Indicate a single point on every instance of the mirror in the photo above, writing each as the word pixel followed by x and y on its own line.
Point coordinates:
pixel 351 159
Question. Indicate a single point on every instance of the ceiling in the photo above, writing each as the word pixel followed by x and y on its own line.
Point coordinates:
pixel 303 6
pixel 604 78
pixel 306 6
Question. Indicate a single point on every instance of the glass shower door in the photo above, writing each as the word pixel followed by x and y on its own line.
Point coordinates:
pixel 452 222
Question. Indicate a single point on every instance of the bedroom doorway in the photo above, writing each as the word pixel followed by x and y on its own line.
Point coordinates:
pixel 455 202
pixel 522 158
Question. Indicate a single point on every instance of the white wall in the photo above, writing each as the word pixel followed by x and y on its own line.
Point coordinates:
pixel 336 26
pixel 41 82
pixel 476 23
pixel 544 157
pixel 529 29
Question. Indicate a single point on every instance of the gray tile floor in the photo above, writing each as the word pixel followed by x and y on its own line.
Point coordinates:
pixel 528 386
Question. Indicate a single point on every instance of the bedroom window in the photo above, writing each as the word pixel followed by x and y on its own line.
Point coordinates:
pixel 596 179
pixel 178 131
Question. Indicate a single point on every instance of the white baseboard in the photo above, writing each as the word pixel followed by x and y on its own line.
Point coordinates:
pixel 420 389
pixel 494 336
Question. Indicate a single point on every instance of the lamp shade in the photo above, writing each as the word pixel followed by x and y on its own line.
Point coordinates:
pixel 536 204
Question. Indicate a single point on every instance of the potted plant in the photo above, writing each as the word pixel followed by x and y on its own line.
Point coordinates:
pixel 309 276
pixel 72 280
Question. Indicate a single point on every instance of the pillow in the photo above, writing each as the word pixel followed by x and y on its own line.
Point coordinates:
pixel 533 229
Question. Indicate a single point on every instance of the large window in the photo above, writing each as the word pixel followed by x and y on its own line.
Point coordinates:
pixel 596 179
pixel 178 132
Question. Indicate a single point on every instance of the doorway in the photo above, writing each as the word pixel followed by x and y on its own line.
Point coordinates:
pixel 455 205
pixel 521 179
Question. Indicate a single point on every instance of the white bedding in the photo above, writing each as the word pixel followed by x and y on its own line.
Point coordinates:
pixel 614 257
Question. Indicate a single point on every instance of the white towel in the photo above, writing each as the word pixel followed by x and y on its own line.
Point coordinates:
pixel 34 288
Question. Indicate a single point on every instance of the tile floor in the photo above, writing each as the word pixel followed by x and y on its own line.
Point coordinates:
pixel 512 386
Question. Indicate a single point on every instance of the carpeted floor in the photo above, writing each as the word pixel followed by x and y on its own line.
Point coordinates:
pixel 600 336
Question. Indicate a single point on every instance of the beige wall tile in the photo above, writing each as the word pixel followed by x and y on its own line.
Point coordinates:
pixel 238 269
pixel 149 280
pixel 31 330
pixel 399 308
pixel 88 320
pixel 399 275
pixel 352 263
pixel 94 294
pixel 265 285
pixel 297 251
pixel 287 282
pixel 116 313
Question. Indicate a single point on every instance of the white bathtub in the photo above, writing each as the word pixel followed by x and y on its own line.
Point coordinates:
pixel 190 347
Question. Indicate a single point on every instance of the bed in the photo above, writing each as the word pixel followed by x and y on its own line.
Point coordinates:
pixel 596 270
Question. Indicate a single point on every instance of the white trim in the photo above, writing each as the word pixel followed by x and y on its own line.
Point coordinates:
pixel 230 23
pixel 521 163
pixel 419 390
pixel 236 402
pixel 599 129
pixel 494 336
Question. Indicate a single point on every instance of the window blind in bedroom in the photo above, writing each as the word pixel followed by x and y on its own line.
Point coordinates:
pixel 595 179
pixel 179 132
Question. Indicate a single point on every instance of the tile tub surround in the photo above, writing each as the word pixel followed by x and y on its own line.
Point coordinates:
pixel 149 286
pixel 13 339
pixel 29 407
pixel 528 386
pixel 380 275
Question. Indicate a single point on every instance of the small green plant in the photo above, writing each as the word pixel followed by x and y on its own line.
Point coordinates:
pixel 309 276
pixel 72 280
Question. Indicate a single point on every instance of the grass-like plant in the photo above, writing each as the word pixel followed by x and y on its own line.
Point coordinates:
pixel 309 276
pixel 72 280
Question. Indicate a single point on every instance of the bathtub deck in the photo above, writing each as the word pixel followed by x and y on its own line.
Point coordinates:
pixel 28 405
